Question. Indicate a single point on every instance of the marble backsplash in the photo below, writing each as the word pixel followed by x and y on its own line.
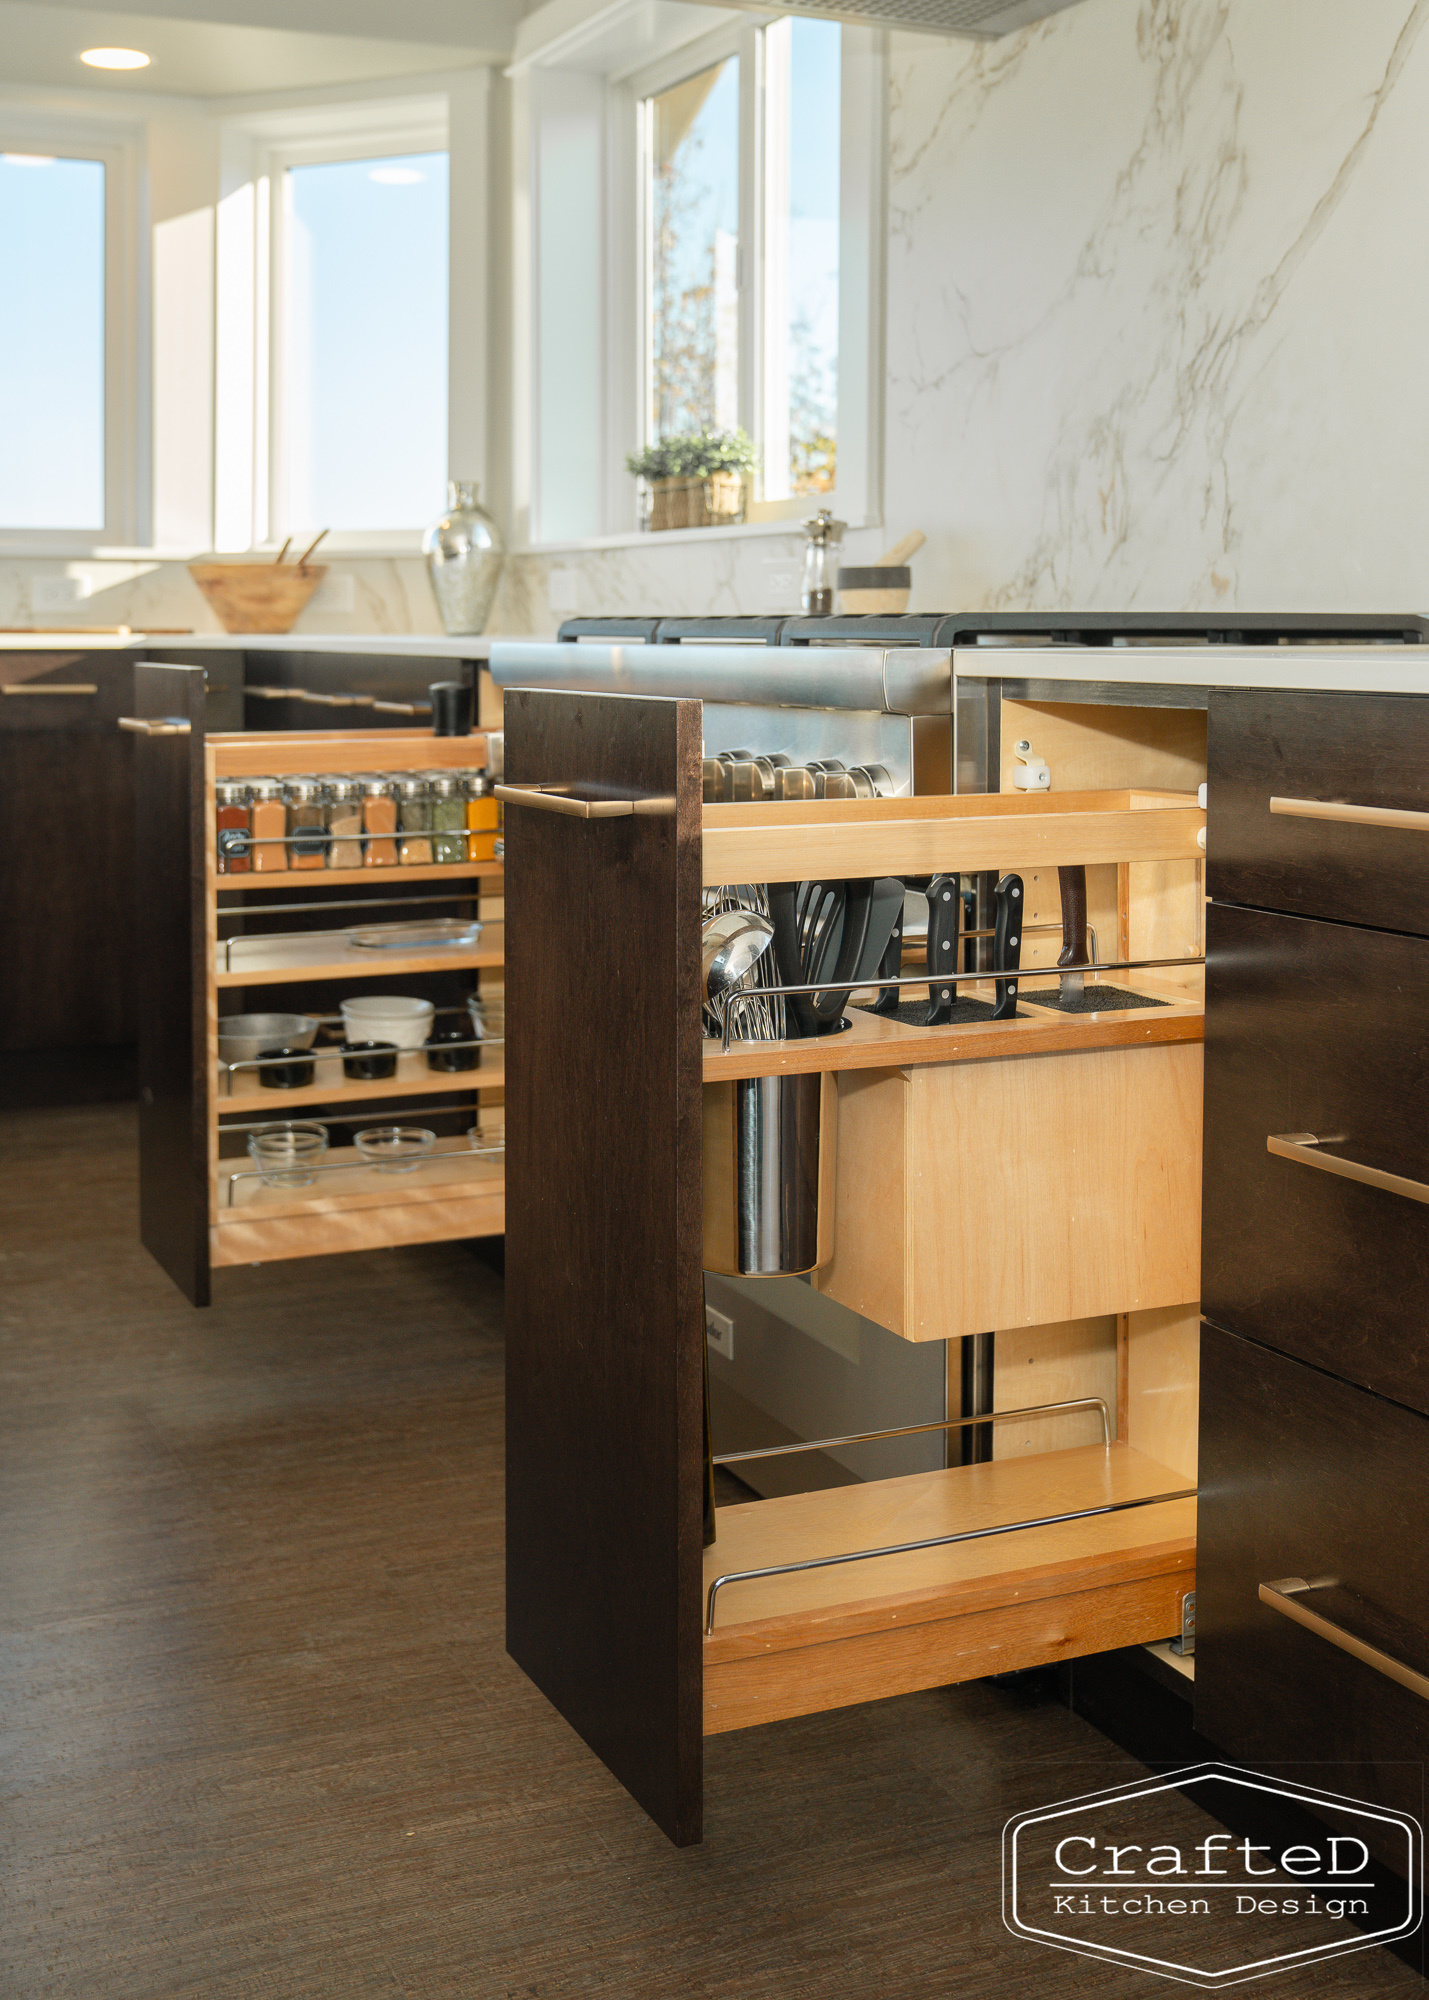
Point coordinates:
pixel 1156 277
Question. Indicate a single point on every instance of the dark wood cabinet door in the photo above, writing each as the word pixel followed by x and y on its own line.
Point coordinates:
pixel 169 858
pixel 66 834
pixel 1316 1028
pixel 1366 750
pixel 1303 1477
pixel 604 1321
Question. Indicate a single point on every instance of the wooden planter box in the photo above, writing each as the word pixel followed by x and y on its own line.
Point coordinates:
pixel 716 502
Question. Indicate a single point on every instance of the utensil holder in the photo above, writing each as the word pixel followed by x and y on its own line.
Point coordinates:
pixel 768 1175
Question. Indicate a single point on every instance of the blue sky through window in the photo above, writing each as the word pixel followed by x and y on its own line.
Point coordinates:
pixel 52 342
pixel 366 351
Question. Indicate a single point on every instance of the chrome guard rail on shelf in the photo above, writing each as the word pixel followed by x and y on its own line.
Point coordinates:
pixel 355 1167
pixel 933 1541
pixel 348 903
pixel 1302 1147
pixel 1012 975
pixel 406 1114
pixel 333 1053
pixel 916 1430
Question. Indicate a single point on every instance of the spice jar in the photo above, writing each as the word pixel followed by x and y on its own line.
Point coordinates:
pixel 379 823
pixel 269 824
pixel 344 823
pixel 307 823
pixel 234 857
pixel 483 816
pixel 414 821
pixel 448 818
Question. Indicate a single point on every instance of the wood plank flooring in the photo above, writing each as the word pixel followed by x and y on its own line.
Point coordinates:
pixel 258 1734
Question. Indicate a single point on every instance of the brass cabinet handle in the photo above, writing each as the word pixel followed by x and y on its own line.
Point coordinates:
pixel 1408 822
pixel 50 687
pixel 554 799
pixel 1281 1595
pixel 1303 1147
pixel 164 725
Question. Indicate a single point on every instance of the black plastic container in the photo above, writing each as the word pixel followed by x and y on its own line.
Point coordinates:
pixel 443 1056
pixel 369 1062
pixel 294 1074
pixel 451 708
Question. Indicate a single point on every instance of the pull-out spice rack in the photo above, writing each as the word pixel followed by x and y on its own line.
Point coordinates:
pixel 201 1205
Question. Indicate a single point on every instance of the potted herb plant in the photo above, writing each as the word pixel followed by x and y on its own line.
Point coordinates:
pixel 697 479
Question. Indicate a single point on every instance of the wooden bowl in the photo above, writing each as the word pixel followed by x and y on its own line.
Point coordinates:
pixel 257 596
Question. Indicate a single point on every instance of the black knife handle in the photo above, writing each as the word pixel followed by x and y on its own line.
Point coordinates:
pixel 945 935
pixel 1007 943
pixel 1073 884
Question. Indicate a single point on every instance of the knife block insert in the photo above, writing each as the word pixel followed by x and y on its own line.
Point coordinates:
pixel 1091 1000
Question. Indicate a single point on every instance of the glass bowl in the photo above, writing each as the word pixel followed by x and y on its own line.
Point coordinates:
pixel 286 1154
pixel 394 1149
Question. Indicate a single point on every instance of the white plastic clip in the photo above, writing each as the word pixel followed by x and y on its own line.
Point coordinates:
pixel 1032 773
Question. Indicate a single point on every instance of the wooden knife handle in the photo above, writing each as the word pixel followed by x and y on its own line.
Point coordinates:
pixel 1073 884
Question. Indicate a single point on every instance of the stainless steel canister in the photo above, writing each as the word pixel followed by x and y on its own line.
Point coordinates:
pixel 768 1175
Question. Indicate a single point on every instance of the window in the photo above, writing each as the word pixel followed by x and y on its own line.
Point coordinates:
pixel 360 321
pixel 742 176
pixel 61 433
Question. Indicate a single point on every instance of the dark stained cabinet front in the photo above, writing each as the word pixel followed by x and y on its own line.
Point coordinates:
pixel 1305 1477
pixel 1318 1030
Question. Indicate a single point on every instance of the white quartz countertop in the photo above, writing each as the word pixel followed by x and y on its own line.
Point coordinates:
pixel 411 645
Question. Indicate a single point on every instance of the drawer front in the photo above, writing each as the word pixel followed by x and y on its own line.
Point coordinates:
pixel 1303 1477
pixel 26 706
pixel 1307 751
pixel 1317 1029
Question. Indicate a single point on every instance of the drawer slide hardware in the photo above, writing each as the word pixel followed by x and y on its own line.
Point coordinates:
pixel 1281 1596
pixel 1352 815
pixel 1185 1644
pixel 1303 1148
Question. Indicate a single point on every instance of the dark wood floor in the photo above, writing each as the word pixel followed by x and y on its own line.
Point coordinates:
pixel 259 1734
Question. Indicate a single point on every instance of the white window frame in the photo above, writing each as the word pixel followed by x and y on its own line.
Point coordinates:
pixel 126 331
pixel 622 312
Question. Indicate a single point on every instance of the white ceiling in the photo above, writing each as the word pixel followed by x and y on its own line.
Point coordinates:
pixel 236 48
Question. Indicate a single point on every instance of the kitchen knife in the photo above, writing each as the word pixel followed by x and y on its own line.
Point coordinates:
pixel 890 965
pixel 783 914
pixel 885 928
pixel 945 935
pixel 1073 884
pixel 1007 943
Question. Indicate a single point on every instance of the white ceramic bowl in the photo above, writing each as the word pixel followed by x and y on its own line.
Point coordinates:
pixel 382 1017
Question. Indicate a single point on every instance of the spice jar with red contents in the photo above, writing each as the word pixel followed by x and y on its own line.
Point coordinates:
pixel 269 827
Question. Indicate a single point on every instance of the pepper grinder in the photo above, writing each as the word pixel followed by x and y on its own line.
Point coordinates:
pixel 821 563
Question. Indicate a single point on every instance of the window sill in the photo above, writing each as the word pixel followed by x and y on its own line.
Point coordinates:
pixel 666 537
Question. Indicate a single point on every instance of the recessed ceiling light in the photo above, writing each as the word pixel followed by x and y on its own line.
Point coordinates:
pixel 27 159
pixel 115 58
pixel 396 177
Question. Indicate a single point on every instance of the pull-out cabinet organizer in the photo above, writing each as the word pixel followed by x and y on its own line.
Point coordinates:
pixel 1038 1175
pixel 207 939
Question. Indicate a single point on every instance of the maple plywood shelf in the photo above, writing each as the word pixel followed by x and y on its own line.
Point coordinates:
pixel 303 957
pixel 824 1638
pixel 329 1086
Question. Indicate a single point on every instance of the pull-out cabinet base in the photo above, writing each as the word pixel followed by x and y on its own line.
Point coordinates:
pixel 826 1638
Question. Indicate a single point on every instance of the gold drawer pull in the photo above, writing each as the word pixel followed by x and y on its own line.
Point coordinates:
pixel 50 687
pixel 555 799
pixel 1302 1146
pixel 1408 822
pixel 163 725
pixel 1281 1595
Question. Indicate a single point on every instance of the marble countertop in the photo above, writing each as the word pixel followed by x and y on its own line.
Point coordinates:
pixel 412 645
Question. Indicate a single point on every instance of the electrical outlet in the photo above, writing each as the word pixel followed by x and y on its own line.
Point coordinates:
pixel 57 593
pixel 719 1332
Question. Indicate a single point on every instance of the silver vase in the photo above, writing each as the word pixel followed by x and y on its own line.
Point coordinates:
pixel 464 554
